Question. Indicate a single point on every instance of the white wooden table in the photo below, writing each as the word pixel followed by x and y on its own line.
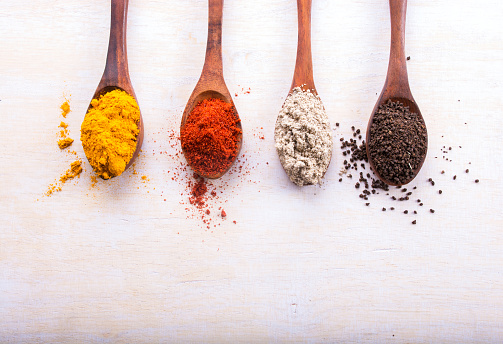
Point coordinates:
pixel 117 263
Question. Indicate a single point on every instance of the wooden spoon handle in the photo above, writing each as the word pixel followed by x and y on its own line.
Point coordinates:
pixel 397 79
pixel 213 59
pixel 303 74
pixel 116 69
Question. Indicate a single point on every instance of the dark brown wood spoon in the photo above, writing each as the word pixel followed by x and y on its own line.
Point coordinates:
pixel 211 83
pixel 396 87
pixel 116 73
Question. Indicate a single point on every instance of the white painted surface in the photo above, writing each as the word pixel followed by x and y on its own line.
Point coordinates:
pixel 117 263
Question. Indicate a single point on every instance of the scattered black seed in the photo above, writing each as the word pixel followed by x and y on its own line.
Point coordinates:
pixel 420 204
pixel 397 142
pixel 392 208
pixel 367 204
pixel 337 124
pixel 357 185
pixel 432 211
pixel 454 178
pixel 415 212
pixel 442 172
pixel 414 222
pixel 440 191
pixel 476 180
pixel 340 180
pixel 383 209
pixel 432 183
pixel 467 170
pixel 418 201
pixel 405 211
pixel 408 58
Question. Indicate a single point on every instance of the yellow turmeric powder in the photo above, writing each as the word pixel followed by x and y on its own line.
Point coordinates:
pixel 65 108
pixel 109 132
pixel 74 171
pixel 66 142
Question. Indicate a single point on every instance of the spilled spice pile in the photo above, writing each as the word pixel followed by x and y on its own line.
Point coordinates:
pixel 74 171
pixel 397 142
pixel 204 200
pixel 64 142
pixel 368 185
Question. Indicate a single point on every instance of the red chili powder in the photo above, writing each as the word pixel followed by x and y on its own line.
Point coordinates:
pixel 210 136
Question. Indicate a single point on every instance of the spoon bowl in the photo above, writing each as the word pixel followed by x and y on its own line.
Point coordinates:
pixel 116 73
pixel 211 83
pixel 396 87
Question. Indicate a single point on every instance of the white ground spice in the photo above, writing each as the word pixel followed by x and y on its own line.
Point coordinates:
pixel 303 137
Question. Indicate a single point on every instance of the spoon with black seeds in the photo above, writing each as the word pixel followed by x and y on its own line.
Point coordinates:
pixel 396 140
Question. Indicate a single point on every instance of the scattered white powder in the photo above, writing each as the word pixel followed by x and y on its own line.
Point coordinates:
pixel 303 137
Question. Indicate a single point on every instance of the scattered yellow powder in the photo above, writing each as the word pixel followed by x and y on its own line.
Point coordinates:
pixel 74 171
pixel 65 108
pixel 109 132
pixel 63 125
pixel 94 180
pixel 144 177
pixel 63 143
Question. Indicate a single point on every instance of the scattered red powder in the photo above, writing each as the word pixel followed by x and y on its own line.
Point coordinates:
pixel 224 214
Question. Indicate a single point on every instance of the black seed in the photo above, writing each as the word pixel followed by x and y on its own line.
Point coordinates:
pixel 405 211
pixel 397 142
pixel 476 180
pixel 383 209
pixel 454 178
pixel 432 211
pixel 440 191
pixel 467 170
pixel 414 222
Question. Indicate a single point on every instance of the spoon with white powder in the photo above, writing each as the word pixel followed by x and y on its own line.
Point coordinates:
pixel 302 133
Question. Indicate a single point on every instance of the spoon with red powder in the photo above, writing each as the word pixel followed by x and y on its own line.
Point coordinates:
pixel 210 131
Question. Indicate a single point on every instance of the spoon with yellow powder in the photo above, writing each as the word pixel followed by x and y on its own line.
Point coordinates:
pixel 112 130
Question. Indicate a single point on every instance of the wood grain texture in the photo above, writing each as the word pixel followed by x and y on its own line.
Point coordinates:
pixel 117 263
pixel 303 74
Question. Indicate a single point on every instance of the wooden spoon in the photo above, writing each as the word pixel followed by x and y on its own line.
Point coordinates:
pixel 396 87
pixel 211 83
pixel 303 74
pixel 116 73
